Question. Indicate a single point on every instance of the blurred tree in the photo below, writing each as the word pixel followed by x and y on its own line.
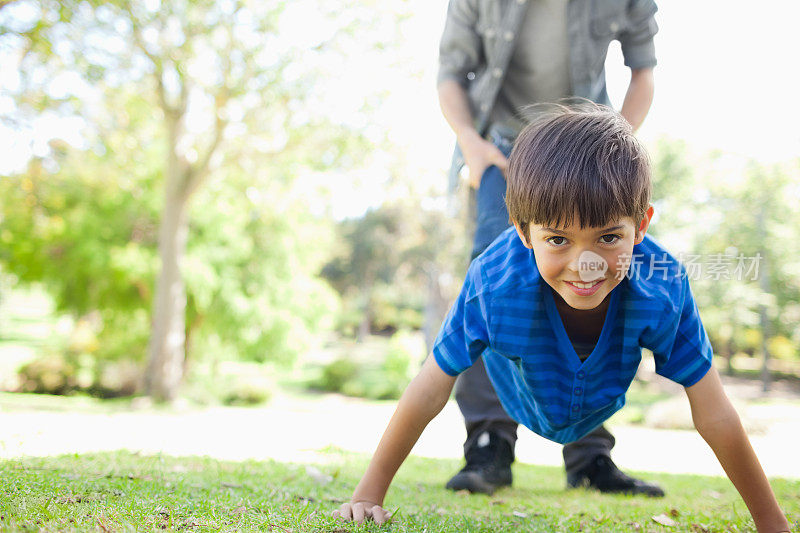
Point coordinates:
pixel 391 258
pixel 735 225
pixel 227 90
pixel 371 254
pixel 85 224
pixel 752 243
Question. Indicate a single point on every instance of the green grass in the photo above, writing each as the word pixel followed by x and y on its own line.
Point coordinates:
pixel 127 492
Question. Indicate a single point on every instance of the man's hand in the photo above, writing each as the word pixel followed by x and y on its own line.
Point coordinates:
pixel 480 154
pixel 362 510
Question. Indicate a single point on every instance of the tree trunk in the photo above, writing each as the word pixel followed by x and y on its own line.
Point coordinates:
pixel 766 378
pixel 729 347
pixel 168 336
pixel 364 327
pixel 167 343
pixel 763 282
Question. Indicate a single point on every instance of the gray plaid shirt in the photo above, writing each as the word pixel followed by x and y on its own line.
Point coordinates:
pixel 479 37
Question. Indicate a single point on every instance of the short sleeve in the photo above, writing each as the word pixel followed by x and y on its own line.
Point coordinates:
pixel 681 347
pixel 464 333
pixel 636 40
pixel 460 48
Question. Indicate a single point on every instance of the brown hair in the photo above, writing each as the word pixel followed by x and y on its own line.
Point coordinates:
pixel 580 160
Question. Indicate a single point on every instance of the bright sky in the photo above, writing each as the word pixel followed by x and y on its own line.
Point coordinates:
pixel 726 80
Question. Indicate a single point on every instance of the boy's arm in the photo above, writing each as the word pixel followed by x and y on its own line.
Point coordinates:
pixel 718 423
pixel 422 400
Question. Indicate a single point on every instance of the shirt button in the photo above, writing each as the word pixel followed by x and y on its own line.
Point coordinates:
pixel 497 72
pixel 490 33
pixel 508 36
pixel 484 107
pixel 576 408
pixel 614 26
pixel 578 390
pixel 581 375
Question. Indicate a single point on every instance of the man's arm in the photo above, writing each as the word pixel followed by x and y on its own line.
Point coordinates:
pixel 638 97
pixel 478 153
pixel 718 423
pixel 422 400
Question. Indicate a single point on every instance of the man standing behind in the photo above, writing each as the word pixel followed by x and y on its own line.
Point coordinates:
pixel 496 57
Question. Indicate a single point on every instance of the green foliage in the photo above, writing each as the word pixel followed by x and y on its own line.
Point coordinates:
pixel 395 307
pixel 88 236
pixel 51 375
pixel 249 271
pixel 782 348
pixel 384 259
pixel 720 214
pixel 227 383
pixel 245 395
pixel 381 376
pixel 336 374
pixel 169 98
pixel 85 224
pixel 70 373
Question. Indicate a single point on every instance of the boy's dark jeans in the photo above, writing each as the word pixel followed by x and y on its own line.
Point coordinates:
pixel 474 392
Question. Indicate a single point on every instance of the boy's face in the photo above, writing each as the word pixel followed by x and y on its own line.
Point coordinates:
pixel 584 265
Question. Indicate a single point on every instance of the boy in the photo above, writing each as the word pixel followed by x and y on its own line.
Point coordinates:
pixel 560 313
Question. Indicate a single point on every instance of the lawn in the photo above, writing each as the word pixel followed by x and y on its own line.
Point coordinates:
pixel 126 492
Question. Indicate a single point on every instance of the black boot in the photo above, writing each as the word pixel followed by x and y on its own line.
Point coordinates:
pixel 602 474
pixel 488 468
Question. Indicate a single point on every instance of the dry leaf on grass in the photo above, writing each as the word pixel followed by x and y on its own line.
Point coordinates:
pixel 664 520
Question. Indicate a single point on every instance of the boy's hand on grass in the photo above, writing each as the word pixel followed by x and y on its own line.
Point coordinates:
pixel 361 510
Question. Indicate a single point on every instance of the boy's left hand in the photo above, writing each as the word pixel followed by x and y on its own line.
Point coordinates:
pixel 360 511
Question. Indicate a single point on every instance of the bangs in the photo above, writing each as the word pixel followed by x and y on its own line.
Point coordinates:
pixel 578 164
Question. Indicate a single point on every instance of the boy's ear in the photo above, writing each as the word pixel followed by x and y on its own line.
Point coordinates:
pixel 526 240
pixel 641 231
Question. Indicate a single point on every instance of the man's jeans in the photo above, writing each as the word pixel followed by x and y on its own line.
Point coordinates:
pixel 474 392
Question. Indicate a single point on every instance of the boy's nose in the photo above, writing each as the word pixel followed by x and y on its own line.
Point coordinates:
pixel 589 266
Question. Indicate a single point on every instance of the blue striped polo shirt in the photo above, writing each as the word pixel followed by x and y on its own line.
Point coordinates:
pixel 506 314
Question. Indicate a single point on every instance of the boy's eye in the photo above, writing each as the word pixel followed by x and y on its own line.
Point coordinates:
pixel 609 239
pixel 557 241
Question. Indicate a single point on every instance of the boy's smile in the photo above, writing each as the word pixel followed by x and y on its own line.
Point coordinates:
pixel 584 265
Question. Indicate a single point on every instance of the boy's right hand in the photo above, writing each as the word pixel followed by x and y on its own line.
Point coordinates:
pixel 361 510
